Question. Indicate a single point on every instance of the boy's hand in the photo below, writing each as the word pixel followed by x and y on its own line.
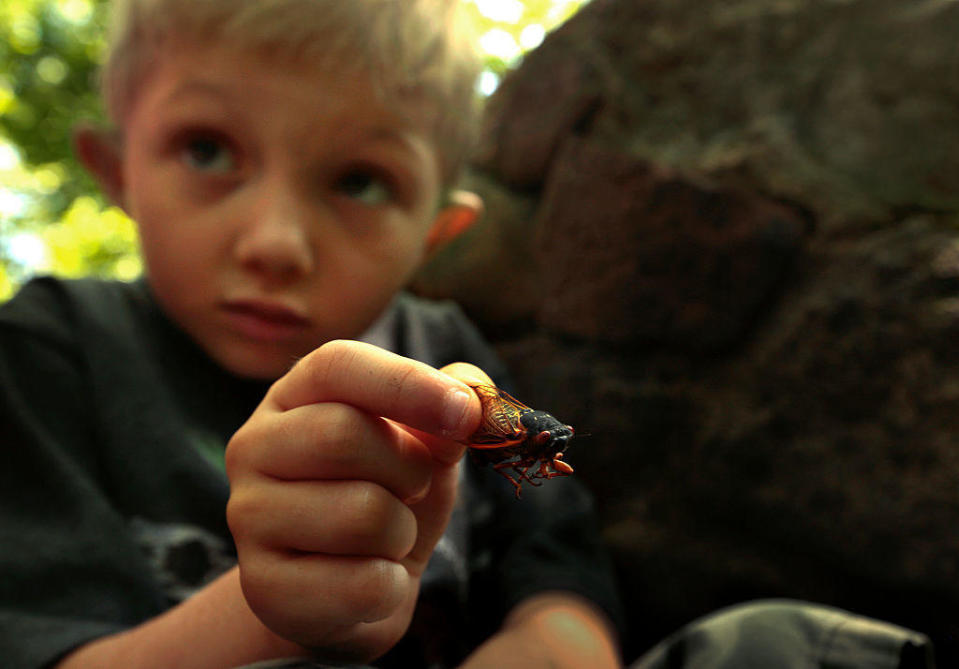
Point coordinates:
pixel 342 482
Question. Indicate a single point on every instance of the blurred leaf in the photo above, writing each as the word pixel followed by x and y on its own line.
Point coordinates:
pixel 90 239
pixel 6 286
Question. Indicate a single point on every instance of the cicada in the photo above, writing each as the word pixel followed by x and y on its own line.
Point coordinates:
pixel 521 443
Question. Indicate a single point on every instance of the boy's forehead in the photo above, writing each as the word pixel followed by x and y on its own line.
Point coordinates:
pixel 225 75
pixel 186 68
pixel 290 103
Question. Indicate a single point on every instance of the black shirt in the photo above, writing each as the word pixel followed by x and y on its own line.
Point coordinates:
pixel 113 425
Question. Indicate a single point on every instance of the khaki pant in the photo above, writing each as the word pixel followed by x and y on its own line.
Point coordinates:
pixel 787 634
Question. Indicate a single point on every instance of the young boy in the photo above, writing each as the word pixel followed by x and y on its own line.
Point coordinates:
pixel 289 165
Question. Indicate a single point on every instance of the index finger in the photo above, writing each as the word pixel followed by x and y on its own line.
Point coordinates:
pixel 381 383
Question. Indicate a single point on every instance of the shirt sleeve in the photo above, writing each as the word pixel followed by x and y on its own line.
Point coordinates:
pixel 67 572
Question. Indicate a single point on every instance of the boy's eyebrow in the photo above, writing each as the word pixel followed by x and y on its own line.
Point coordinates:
pixel 201 87
pixel 414 146
pixel 396 136
pixel 196 87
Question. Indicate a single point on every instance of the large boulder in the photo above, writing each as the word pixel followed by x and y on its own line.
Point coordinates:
pixel 722 238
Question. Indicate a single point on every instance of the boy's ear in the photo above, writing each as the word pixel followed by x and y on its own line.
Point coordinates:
pixel 456 217
pixel 101 152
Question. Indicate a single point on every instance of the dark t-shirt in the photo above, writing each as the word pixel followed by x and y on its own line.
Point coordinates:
pixel 112 490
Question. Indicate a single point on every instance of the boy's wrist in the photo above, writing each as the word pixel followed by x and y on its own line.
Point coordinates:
pixel 215 627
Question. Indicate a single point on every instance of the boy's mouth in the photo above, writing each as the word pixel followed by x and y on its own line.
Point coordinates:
pixel 264 320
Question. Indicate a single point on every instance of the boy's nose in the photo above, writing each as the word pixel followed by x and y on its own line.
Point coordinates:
pixel 276 242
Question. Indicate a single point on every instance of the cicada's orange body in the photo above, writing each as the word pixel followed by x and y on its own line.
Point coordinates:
pixel 515 437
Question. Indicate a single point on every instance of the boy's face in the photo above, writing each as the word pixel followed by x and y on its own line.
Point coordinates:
pixel 279 206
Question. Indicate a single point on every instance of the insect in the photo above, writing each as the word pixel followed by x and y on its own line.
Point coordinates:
pixel 521 443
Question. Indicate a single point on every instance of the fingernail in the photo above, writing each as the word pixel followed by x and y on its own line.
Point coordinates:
pixel 455 405
pixel 418 496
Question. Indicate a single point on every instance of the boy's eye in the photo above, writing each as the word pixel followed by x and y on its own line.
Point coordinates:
pixel 208 154
pixel 366 187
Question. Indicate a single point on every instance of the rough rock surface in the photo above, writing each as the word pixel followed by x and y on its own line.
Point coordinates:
pixel 730 228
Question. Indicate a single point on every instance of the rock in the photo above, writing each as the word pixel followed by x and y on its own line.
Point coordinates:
pixel 631 252
pixel 723 241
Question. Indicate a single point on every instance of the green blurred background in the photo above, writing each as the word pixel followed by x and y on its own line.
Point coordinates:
pixel 52 218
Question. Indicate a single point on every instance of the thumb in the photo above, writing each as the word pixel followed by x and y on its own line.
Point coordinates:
pixel 468 374
pixel 447 450
pixel 433 511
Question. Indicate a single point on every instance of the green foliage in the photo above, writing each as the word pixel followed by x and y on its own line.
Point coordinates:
pixel 49 55
pixel 516 26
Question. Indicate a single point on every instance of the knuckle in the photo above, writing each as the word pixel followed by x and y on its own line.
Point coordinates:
pixel 336 347
pixel 402 383
pixel 342 435
pixel 369 511
pixel 329 355
pixel 373 522
pixel 242 511
pixel 236 455
pixel 244 451
pixel 372 500
pixel 342 425
pixel 378 589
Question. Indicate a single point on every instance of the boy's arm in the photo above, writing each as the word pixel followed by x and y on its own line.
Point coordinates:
pixel 336 505
pixel 214 628
pixel 550 629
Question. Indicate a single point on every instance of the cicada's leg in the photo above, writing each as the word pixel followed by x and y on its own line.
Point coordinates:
pixel 501 467
pixel 543 472
pixel 525 475
pixel 550 469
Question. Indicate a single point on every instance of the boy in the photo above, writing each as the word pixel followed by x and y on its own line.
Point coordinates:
pixel 286 163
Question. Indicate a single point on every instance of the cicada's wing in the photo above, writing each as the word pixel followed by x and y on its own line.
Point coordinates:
pixel 500 426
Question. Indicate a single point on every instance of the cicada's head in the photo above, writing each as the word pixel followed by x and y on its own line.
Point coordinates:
pixel 548 433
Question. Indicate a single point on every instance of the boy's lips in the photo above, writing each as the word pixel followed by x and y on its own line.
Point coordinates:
pixel 264 320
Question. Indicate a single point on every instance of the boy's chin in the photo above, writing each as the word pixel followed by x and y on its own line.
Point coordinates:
pixel 256 363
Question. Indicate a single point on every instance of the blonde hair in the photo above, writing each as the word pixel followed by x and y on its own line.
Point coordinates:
pixel 409 48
